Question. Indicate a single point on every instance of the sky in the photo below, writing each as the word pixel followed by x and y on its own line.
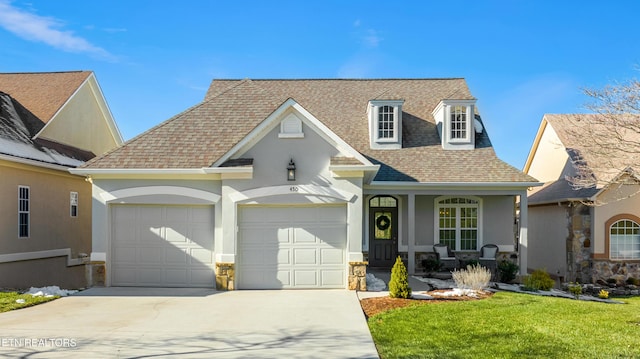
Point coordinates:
pixel 155 59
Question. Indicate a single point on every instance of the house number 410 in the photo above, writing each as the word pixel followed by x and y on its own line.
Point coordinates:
pixel 293 189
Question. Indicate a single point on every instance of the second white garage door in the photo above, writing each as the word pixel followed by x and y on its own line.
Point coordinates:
pixel 162 246
pixel 292 247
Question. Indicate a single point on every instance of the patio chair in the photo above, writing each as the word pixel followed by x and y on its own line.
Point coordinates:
pixel 445 256
pixel 488 256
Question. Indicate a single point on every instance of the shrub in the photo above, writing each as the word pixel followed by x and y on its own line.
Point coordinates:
pixel 507 271
pixel 538 280
pixel 431 265
pixel 603 294
pixel 399 283
pixel 475 277
pixel 575 289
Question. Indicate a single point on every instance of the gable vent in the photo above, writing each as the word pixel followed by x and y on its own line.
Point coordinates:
pixel 291 127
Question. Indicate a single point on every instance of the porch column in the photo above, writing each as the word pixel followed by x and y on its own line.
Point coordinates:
pixel 523 242
pixel 411 227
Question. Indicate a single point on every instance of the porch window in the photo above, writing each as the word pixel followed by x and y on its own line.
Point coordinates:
pixel 457 223
pixel 624 240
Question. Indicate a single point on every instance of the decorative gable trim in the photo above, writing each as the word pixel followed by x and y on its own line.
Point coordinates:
pixel 291 127
pixel 306 118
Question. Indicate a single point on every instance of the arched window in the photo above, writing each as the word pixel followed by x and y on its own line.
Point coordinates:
pixel 458 223
pixel 624 240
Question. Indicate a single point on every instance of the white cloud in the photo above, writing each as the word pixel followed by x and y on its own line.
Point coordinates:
pixel 46 30
pixel 371 38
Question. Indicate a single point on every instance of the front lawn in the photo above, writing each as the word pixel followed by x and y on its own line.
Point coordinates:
pixel 510 325
pixel 8 300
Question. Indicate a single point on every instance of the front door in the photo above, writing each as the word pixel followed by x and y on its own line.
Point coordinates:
pixel 383 231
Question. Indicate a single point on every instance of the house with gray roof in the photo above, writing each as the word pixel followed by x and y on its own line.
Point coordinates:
pixel 588 233
pixel 303 184
pixel 49 122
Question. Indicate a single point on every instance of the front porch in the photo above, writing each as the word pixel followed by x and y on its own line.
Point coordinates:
pixel 408 222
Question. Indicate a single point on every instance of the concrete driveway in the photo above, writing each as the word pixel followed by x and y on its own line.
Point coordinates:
pixel 190 323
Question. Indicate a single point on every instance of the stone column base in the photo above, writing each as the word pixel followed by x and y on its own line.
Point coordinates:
pixel 358 276
pixel 95 272
pixel 225 276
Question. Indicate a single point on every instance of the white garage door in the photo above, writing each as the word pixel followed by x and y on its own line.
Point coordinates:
pixel 162 246
pixel 292 247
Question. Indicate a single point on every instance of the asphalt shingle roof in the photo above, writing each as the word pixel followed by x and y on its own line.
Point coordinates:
pixel 202 134
pixel 43 93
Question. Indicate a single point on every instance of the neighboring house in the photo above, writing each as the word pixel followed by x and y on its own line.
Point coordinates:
pixel 569 236
pixel 49 123
pixel 300 183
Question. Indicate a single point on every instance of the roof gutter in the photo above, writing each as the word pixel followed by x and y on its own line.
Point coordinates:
pixel 161 171
pixel 405 185
pixel 26 161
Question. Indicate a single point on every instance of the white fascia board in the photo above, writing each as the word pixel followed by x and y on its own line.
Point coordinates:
pixel 270 122
pixel 457 185
pixel 225 170
pixel 136 171
pixel 366 168
pixel 104 107
pixel 29 162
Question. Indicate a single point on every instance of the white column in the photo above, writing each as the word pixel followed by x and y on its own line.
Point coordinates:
pixel 523 243
pixel 411 227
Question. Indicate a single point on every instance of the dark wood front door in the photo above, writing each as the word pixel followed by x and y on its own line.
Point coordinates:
pixel 383 235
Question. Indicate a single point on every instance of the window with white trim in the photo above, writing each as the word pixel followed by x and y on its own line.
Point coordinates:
pixel 458 223
pixel 73 204
pixel 23 211
pixel 459 125
pixel 624 240
pixel 385 124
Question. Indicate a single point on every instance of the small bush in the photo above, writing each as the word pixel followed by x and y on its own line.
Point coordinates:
pixel 603 294
pixel 538 280
pixel 507 271
pixel 475 277
pixel 633 281
pixel 399 283
pixel 431 265
pixel 575 289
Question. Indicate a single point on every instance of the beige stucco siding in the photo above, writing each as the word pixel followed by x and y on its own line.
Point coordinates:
pixel 548 232
pixel 617 200
pixel 498 217
pixel 82 123
pixel 51 225
pixel 550 158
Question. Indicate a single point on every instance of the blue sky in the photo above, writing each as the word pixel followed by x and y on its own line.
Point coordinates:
pixel 155 59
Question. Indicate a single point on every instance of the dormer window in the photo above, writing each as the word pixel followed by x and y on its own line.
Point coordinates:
pixel 385 124
pixel 455 120
pixel 459 129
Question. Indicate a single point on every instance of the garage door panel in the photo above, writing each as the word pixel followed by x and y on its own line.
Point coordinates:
pixel 304 236
pixel 203 256
pixel 150 255
pixel 176 256
pixel 311 240
pixel 162 246
pixel 331 256
pixel 306 278
pixel 305 256
pixel 332 278
pixel 176 233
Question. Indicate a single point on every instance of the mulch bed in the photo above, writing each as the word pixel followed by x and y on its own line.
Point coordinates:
pixel 376 305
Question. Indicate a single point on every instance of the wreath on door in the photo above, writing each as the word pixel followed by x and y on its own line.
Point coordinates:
pixel 383 222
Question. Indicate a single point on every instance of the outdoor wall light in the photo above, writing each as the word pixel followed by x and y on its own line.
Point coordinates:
pixel 291 171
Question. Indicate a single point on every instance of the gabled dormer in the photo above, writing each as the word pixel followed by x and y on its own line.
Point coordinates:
pixel 456 120
pixel 385 124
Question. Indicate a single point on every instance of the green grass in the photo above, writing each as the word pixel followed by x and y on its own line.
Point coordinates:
pixel 510 325
pixel 8 301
